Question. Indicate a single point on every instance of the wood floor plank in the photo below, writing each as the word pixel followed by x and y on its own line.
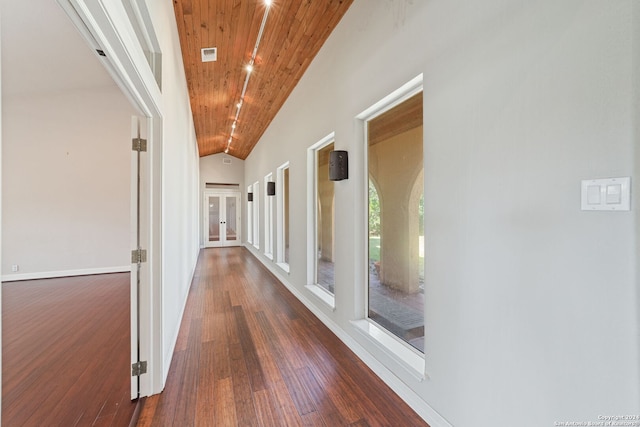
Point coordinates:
pixel 330 414
pixel 166 408
pixel 268 362
pixel 266 408
pixel 360 423
pixel 348 392
pixel 224 410
pixel 249 352
pixel 351 397
pixel 148 411
pixel 212 312
pixel 285 351
pixel 186 408
pixel 314 419
pixel 66 349
pixel 260 358
pixel 242 394
pixel 122 416
pixel 290 416
pixel 221 359
pixel 206 382
pixel 299 394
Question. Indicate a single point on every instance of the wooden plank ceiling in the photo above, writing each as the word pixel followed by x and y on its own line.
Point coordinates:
pixel 294 32
pixel 399 119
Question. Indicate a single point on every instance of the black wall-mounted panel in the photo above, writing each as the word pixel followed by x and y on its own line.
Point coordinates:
pixel 338 165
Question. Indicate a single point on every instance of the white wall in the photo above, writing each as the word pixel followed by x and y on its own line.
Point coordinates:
pixel 532 306
pixel 66 151
pixel 213 170
pixel 67 181
pixel 180 197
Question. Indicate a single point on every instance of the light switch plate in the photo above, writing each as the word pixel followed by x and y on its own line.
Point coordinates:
pixel 611 194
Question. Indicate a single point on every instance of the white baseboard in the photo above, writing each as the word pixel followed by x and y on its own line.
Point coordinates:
pixel 411 398
pixel 65 273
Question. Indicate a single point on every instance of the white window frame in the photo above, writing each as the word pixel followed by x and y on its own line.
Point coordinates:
pixel 256 214
pixel 407 356
pixel 280 239
pixel 249 216
pixel 268 219
pixel 140 19
pixel 312 221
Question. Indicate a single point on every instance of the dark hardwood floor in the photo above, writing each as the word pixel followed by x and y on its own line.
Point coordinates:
pixel 66 352
pixel 249 353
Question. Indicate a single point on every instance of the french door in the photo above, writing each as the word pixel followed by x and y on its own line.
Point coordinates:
pixel 221 219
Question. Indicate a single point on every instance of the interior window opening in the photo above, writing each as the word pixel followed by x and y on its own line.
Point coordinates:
pixel 325 220
pixel 282 217
pixel 395 221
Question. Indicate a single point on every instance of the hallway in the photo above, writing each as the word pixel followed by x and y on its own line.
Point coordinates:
pixel 249 353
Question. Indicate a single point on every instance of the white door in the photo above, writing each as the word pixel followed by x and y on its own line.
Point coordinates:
pixel 221 219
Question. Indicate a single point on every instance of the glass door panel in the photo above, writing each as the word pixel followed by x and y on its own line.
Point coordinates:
pixel 231 225
pixel 214 219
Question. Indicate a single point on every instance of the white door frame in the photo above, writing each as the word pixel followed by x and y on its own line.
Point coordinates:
pixel 139 237
pixel 223 194
pixel 104 25
pixel 0 238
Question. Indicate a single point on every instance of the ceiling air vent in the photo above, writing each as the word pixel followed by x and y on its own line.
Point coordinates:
pixel 226 161
pixel 209 54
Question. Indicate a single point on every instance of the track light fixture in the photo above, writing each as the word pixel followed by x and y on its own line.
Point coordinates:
pixel 249 68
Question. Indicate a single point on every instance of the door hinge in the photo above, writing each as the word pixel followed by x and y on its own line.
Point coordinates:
pixel 138 256
pixel 138 369
pixel 139 144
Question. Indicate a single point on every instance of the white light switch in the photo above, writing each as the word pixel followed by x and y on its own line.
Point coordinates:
pixel 593 194
pixel 612 194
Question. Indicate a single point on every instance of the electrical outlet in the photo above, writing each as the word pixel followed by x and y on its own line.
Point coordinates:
pixel 15 268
